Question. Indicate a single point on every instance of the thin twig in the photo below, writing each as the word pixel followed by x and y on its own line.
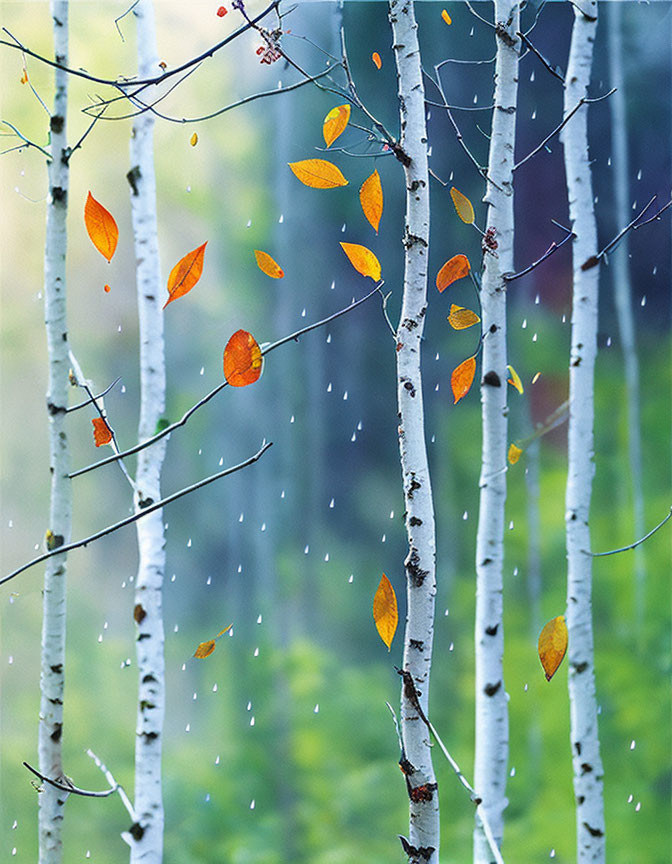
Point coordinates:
pixel 93 398
pixel 123 15
pixel 632 545
pixel 110 779
pixel 509 277
pixel 70 787
pixel 458 107
pixel 480 18
pixel 551 69
pixel 654 217
pixel 27 141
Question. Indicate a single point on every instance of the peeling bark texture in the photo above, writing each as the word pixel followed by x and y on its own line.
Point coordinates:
pixel 52 679
pixel 147 841
pixel 492 722
pixel 420 563
pixel 585 743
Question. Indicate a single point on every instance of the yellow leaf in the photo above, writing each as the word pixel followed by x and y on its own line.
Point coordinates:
pixel 514 380
pixel 205 649
pixel 101 227
pixel 462 378
pixel 455 268
pixel 371 199
pixel 514 454
pixel 193 140
pixel 460 318
pixel 376 59
pixel 267 265
pixel 553 645
pixel 536 377
pixel 363 260
pixel 385 611
pixel 335 123
pixel 185 274
pixel 446 17
pixel 318 173
pixel 463 206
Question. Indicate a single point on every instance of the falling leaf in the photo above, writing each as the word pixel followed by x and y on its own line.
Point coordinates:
pixel 242 359
pixel 221 12
pixel 514 454
pixel 193 140
pixel 107 289
pixel 185 274
pixel 376 59
pixel 363 260
pixel 455 268
pixel 463 206
pixel 318 173
pixel 514 380
pixel 335 123
pixel 460 318
pixel 101 227
pixel 385 611
pixel 462 378
pixel 553 645
pixel 267 265
pixel 101 432
pixel 446 17
pixel 205 649
pixel 536 377
pixel 371 199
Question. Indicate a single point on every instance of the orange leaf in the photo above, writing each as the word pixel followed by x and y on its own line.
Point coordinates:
pixel 267 265
pixel 185 274
pixel 463 206
pixel 101 432
pixel 194 140
pixel 363 260
pixel 242 359
pixel 462 378
pixel 318 173
pixel 335 123
pixel 514 454
pixel 371 199
pixel 24 77
pixel 101 227
pixel 514 380
pixel 455 268
pixel 205 649
pixel 376 59
pixel 106 289
pixel 385 611
pixel 460 318
pixel 553 645
pixel 446 17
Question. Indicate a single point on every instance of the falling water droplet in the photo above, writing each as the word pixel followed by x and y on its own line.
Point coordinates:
pixel 252 803
pixel 187 728
pixel 345 396
pixel 352 578
pixel 263 526
pixel 326 557
pixel 316 709
pixel 256 652
pixel 281 219
pixel 343 228
pixel 202 372
pixel 639 174
pixel 217 760
pixel 524 324
pixel 383 538
pixel 214 688
pixel 331 504
pixel 189 543
pixel 252 720
pixel 259 619
pixel 512 772
pixel 632 744
pixel 642 302
pixel 306 549
pixel 465 515
pixel 329 387
pixel 241 517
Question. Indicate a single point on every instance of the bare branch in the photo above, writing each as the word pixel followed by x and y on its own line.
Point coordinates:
pixel 27 141
pixel 632 545
pixel 554 70
pixel 70 787
pixel 476 15
pixel 654 217
pixel 509 277
pixel 93 398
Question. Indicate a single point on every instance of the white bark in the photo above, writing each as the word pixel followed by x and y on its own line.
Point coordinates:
pixel 146 836
pixel 51 800
pixel 583 708
pixel 620 268
pixel 492 723
pixel 420 563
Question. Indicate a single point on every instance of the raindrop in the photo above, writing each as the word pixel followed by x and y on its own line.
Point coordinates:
pixel 353 437
pixel 214 688
pixel 391 514
pixel 14 825
pixel 359 426
pixel 345 396
pixel 241 517
pixel 564 319
pixel 511 525
pixel 532 76
pixel 446 612
pixel 343 228
pixel 10 524
pixel 291 419
pixel 256 652
pixel 194 697
pixel 433 439
pixel 451 646
pixel 475 99
pixel 471 32
pixel 249 706
pixel 188 188
pixel 303 312
pixel 200 451
pixel 189 543
pixel 259 619
pixel 634 204
pixel 534 114
pixel 630 797
pixel 187 728
pixel 316 709
pixel 326 557
pixel 515 569
pixel 512 772
pixel 352 578
pixel 281 219
pixel 202 372
pixel 524 324
pixel 436 389
pixel 329 387
pixel 328 340
pixel 184 667
pixel 252 720
pixel 263 526
pixel 437 356
pixel 608 341
pixel 638 806
pixel 333 284
pixel 609 162
pixel 465 515
pixel 306 549
pixel 100 637
pixel 452 173
pixel 208 581
pixel 384 537
pixel 105 626
pixel 536 299
pixel 525 689
pixel 14 851
pixel 642 302
pixel 207 798
pixel 632 744
pixel 331 504
pixel 249 223
pixel 252 802
pixel 217 760
pixel 11 659
pixel 176 628
pixel 429 149
pixel 282 494
pixel 639 174
pixel 655 270
pixel 240 570
pixel 552 855
pixel 534 338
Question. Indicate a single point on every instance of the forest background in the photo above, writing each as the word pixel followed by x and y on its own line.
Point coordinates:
pixel 279 747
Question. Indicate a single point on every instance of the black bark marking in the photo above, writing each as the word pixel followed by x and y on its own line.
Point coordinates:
pixel 57 669
pixel 414 521
pixel 150 736
pixel 492 379
pixel 56 124
pixel 133 177
pixel 58 731
pixel 416 853
pixel 136 831
pixel 492 631
pixel 418 644
pixel 424 792
pixel 416 574
pixel 580 667
pixel 586 768
pixel 491 689
pixel 149 679
pixel 577 745
pixel 145 502
pixel 594 832
pixel 591 262
pixel 406 766
pixel 494 328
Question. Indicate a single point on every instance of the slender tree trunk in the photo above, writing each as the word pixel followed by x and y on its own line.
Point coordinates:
pixel 146 836
pixel 583 708
pixel 620 269
pixel 420 563
pixel 52 801
pixel 492 723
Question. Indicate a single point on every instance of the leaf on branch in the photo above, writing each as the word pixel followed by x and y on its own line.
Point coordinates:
pixel 101 227
pixel 376 60
pixel 460 317
pixel 24 76
pixel 267 265
pixel 363 260
pixel 242 359
pixel 205 649
pixel 463 206
pixel 446 17
pixel 553 645
pixel 455 268
pixel 371 199
pixel 514 454
pixel 318 173
pixel 385 612
pixel 514 380
pixel 102 433
pixel 194 139
pixel 335 123
pixel 185 274
pixel 462 378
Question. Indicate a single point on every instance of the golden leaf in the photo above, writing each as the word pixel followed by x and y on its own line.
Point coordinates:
pixel 514 380
pixel 455 268
pixel 335 123
pixel 242 359
pixel 376 59
pixel 318 173
pixel 446 17
pixel 514 454
pixel 101 227
pixel 205 649
pixel 553 645
pixel 363 260
pixel 101 432
pixel 460 318
pixel 185 274
pixel 462 378
pixel 193 140
pixel 463 206
pixel 371 199
pixel 385 611
pixel 267 265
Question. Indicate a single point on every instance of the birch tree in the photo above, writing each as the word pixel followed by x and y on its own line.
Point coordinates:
pixel 52 680
pixel 492 725
pixel 587 764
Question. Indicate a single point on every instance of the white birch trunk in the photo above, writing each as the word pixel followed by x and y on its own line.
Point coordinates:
pixel 492 723
pixel 146 836
pixel 620 269
pixel 52 801
pixel 585 743
pixel 420 563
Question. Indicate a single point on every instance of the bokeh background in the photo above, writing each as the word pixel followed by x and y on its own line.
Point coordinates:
pixel 279 747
